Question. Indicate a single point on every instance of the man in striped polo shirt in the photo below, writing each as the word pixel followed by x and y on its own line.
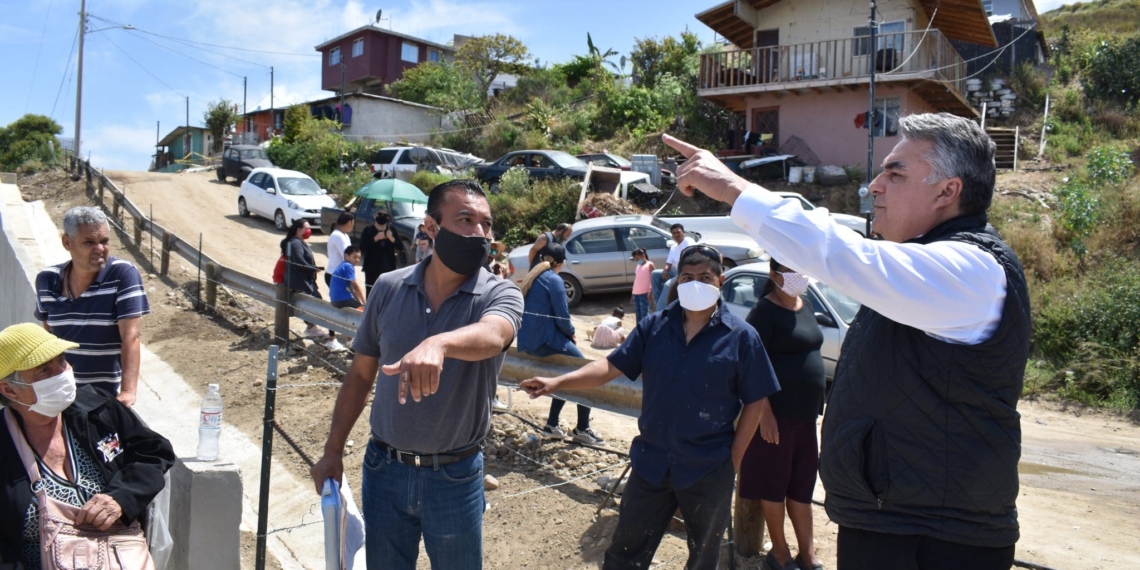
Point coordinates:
pixel 97 301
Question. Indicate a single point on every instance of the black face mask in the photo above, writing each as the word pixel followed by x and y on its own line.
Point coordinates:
pixel 461 254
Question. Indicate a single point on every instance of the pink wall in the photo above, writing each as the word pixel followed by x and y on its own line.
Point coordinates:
pixel 825 121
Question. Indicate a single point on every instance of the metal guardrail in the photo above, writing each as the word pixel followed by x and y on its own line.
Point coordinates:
pixel 622 395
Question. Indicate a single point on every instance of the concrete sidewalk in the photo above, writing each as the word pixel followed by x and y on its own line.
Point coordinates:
pixel 170 406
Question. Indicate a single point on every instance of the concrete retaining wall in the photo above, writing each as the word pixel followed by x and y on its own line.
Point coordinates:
pixel 205 498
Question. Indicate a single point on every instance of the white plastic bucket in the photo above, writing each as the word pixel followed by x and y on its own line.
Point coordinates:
pixel 809 175
pixel 795 174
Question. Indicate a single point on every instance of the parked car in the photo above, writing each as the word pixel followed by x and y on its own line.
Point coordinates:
pixel 403 161
pixel 598 250
pixel 723 223
pixel 668 179
pixel 282 196
pixel 542 165
pixel 405 217
pixel 240 159
pixel 834 311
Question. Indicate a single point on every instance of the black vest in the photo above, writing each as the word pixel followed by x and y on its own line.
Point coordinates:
pixel 922 436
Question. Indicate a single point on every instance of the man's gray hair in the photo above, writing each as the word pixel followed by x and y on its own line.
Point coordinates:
pixel 960 149
pixel 13 377
pixel 82 216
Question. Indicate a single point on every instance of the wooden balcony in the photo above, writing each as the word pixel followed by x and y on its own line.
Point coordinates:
pixel 925 62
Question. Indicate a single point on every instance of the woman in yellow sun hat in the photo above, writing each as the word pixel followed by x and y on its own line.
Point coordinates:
pixel 77 468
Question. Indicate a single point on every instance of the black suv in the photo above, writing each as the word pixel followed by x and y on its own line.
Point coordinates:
pixel 239 159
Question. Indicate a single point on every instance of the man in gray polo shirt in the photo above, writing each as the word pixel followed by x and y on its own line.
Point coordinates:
pixel 436 331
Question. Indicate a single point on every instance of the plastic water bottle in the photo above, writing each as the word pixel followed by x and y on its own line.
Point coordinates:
pixel 210 424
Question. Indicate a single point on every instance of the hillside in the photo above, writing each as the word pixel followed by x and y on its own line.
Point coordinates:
pixel 1117 17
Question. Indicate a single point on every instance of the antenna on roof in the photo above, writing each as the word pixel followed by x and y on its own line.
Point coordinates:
pixel 378 18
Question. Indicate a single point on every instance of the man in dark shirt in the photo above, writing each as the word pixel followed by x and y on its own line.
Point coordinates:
pixel 699 365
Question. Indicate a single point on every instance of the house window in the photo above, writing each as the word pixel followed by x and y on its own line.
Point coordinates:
pixel 886 119
pixel 334 56
pixel 410 52
pixel 889 36
pixel 358 47
pixel 989 6
pixel 433 56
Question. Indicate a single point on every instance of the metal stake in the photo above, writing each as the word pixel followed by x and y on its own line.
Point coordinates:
pixel 198 292
pixel 266 458
pixel 151 228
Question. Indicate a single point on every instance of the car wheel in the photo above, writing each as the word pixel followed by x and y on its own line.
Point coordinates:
pixel 573 290
pixel 221 175
pixel 494 186
pixel 243 211
pixel 280 221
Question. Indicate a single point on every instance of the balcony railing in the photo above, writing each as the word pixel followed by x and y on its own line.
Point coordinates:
pixel 895 56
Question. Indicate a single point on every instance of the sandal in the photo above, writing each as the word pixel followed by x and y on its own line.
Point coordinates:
pixel 803 566
pixel 770 563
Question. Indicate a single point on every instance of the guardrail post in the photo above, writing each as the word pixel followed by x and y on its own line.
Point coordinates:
pixel 281 314
pixel 211 286
pixel 138 231
pixel 102 184
pixel 167 241
pixel 266 459
pixel 115 207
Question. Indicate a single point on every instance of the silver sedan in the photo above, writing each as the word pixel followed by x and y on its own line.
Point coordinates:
pixel 598 252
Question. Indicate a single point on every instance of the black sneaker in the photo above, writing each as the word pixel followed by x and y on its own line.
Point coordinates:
pixel 589 436
pixel 553 432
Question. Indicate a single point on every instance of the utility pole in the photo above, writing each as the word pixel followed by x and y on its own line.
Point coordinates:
pixel 272 113
pixel 342 68
pixel 157 132
pixel 244 92
pixel 873 25
pixel 79 76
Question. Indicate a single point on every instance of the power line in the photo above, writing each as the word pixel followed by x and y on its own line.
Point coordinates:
pixel 36 67
pixel 66 72
pixel 192 42
pixel 108 38
pixel 189 44
pixel 189 57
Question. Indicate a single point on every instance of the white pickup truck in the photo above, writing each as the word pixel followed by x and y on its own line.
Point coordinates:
pixel 723 223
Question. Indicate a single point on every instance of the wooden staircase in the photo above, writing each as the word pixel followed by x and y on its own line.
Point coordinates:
pixel 1007 141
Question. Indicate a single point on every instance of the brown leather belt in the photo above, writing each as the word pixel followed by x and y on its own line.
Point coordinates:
pixel 425 459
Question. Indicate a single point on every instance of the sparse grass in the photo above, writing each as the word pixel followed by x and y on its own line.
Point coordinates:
pixel 1103 16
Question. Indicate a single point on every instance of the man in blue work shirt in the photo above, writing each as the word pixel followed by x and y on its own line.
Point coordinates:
pixel 699 364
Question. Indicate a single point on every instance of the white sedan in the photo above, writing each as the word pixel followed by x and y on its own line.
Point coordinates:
pixel 283 196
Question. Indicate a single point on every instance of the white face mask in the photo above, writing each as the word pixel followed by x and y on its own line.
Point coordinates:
pixel 795 284
pixel 697 296
pixel 53 395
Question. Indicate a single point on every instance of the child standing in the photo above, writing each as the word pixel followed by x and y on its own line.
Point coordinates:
pixel 642 284
pixel 423 244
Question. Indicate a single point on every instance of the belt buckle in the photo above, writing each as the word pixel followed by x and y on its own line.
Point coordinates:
pixel 417 460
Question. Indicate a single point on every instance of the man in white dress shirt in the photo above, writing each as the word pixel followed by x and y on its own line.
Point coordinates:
pixel 662 279
pixel 921 438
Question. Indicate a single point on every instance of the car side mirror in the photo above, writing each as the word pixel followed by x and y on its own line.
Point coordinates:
pixel 323 191
pixel 270 191
pixel 825 320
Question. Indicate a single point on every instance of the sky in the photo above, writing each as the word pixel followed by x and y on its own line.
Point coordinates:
pixel 135 78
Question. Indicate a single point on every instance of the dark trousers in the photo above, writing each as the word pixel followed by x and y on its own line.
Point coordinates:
pixel 556 406
pixel 863 549
pixel 646 510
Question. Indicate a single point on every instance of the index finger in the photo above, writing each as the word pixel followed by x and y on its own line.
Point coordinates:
pixel 687 150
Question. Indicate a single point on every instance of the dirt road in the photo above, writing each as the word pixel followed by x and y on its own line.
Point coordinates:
pixel 1079 505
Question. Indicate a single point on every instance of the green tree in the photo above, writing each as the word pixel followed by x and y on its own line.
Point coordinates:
pixel 1113 72
pixel 441 84
pixel 599 57
pixel 652 58
pixel 220 118
pixel 486 57
pixel 295 118
pixel 31 137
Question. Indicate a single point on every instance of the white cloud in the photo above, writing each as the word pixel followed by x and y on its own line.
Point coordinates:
pixel 120 147
pixel 447 17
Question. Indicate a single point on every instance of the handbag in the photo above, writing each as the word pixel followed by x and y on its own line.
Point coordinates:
pixel 65 546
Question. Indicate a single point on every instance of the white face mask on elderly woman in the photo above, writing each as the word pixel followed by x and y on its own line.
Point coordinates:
pixel 53 395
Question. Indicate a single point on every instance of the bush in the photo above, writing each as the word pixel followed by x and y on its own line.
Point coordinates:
pixel 524 211
pixel 425 180
pixel 515 181
pixel 342 186
pixel 1113 71
pixel 31 166
pixel 1108 166
pixel 1029 84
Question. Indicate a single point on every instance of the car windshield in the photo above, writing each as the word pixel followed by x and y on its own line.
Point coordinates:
pixel 254 154
pixel 406 210
pixel 565 160
pixel 299 186
pixel 661 225
pixel 844 305
pixel 620 161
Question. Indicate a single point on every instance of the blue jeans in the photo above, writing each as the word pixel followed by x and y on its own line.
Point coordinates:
pixel 400 503
pixel 663 301
pixel 657 283
pixel 641 306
